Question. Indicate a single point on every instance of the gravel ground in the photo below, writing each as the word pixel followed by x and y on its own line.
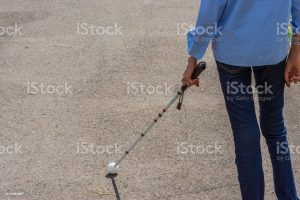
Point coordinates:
pixel 72 99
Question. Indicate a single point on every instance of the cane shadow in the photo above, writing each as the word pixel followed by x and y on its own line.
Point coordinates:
pixel 113 181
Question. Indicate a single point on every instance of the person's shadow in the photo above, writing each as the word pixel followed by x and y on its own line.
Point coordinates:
pixel 112 177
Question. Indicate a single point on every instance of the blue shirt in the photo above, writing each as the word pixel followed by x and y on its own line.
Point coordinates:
pixel 244 32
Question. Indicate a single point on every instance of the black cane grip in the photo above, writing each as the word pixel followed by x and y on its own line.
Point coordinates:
pixel 198 70
pixel 196 73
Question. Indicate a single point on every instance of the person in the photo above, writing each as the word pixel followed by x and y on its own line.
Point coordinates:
pixel 252 37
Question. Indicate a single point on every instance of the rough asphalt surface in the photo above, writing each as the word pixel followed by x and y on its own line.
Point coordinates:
pixel 71 101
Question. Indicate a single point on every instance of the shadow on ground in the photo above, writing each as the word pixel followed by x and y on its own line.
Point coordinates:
pixel 113 181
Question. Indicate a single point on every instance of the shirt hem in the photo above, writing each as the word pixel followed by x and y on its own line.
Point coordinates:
pixel 243 63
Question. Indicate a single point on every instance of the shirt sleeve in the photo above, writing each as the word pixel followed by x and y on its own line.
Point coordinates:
pixel 206 27
pixel 296 16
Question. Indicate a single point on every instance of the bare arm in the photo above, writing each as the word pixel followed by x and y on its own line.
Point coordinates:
pixel 292 71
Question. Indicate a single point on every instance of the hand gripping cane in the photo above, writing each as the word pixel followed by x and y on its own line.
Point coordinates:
pixel 197 71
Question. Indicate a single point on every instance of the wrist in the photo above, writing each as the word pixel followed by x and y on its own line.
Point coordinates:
pixel 192 60
pixel 296 40
pixel 295 48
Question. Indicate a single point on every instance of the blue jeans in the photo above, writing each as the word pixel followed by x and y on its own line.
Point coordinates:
pixel 239 98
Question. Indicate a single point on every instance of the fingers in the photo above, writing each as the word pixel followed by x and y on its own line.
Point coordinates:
pixel 187 75
pixel 187 81
pixel 196 82
pixel 292 74
pixel 295 79
pixel 287 73
pixel 296 74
